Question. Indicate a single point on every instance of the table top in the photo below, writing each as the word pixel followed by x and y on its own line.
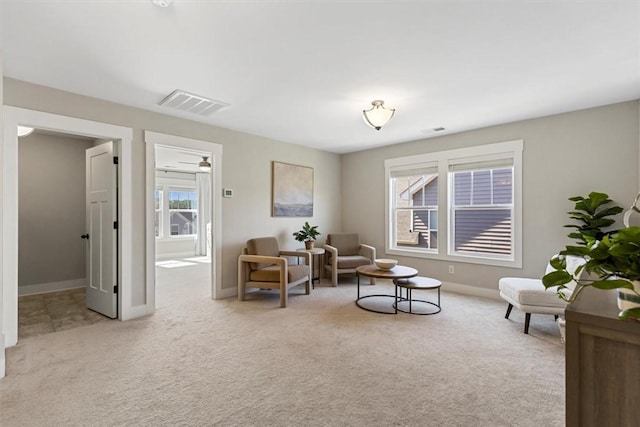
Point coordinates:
pixel 419 283
pixel 314 251
pixel 397 272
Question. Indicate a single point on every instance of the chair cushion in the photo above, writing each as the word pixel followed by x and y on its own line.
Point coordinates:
pixel 272 273
pixel 346 243
pixel 529 292
pixel 352 261
pixel 265 246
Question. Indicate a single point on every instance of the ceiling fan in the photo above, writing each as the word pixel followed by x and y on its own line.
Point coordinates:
pixel 204 165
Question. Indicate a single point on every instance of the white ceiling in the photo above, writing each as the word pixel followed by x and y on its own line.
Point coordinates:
pixel 302 71
pixel 171 159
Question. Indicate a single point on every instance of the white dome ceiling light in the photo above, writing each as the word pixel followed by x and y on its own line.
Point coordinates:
pixel 378 116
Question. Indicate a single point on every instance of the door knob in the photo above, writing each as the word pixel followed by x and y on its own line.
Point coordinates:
pixel 85 236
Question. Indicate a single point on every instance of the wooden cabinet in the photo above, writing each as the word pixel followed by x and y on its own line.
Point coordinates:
pixel 602 363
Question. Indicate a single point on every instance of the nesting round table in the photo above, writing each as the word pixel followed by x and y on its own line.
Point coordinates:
pixel 417 283
pixel 371 270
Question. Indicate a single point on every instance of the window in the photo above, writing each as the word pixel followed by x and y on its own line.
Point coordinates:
pixel 183 212
pixel 415 208
pixel 158 204
pixel 176 206
pixel 459 205
pixel 482 211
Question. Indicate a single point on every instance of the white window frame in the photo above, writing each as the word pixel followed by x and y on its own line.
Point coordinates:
pixel 169 210
pixel 481 153
pixel 415 170
pixel 160 211
pixel 166 185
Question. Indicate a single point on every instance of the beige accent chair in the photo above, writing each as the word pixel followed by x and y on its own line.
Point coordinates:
pixel 263 265
pixel 345 253
pixel 530 295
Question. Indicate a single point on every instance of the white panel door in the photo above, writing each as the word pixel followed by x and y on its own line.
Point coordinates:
pixel 101 198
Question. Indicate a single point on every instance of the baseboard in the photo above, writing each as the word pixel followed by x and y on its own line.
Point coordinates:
pixel 470 290
pixel 174 255
pixel 42 288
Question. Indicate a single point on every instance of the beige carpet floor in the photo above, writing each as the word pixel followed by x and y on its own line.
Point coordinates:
pixel 320 362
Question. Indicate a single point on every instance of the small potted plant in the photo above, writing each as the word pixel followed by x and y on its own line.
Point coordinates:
pixel 612 258
pixel 307 235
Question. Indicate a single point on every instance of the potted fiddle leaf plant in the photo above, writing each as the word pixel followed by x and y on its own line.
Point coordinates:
pixel 612 257
pixel 307 235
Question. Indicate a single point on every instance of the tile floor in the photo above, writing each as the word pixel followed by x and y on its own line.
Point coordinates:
pixel 55 311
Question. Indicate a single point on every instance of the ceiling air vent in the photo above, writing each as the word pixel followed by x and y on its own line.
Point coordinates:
pixel 192 103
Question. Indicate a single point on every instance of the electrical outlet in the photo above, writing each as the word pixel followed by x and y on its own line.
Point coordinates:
pixel 451 269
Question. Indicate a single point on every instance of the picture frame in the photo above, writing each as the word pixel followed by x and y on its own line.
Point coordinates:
pixel 291 190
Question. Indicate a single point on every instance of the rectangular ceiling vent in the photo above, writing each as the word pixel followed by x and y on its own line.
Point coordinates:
pixel 192 103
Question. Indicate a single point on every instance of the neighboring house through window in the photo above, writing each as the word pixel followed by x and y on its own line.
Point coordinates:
pixel 460 205
pixel 183 212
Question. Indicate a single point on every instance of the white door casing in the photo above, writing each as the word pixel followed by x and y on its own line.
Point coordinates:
pixel 14 116
pixel 101 232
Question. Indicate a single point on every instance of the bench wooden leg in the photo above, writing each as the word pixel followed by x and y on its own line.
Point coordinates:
pixel 527 319
pixel 506 316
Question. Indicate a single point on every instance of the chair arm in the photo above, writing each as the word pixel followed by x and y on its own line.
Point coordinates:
pixel 368 251
pixel 333 251
pixel 282 262
pixel 301 254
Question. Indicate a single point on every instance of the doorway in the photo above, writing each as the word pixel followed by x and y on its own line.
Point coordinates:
pixel 213 232
pixel 13 117
pixel 182 224
pixel 52 226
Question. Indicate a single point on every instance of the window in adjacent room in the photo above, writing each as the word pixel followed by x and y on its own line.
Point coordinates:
pixel 183 212
pixel 158 207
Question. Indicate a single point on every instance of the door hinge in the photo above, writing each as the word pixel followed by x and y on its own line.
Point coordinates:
pixel 115 289
pixel 115 225
pixel 115 160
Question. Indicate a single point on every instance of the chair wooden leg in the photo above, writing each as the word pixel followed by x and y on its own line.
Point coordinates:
pixel 284 294
pixel 241 282
pixel 506 316
pixel 527 319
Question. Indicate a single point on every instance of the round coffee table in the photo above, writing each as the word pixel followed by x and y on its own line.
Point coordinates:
pixel 417 283
pixel 372 270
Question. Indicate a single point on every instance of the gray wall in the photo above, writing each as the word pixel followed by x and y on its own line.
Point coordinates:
pixel 564 155
pixel 246 170
pixel 51 207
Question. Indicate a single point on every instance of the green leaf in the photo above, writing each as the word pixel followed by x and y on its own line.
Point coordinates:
pixel 615 210
pixel 612 284
pixel 631 313
pixel 558 263
pixel 624 249
pixel 556 278
pixel 597 199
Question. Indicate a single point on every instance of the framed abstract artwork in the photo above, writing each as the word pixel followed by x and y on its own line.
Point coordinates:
pixel 291 190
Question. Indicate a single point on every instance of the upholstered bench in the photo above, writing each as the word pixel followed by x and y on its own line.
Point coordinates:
pixel 530 295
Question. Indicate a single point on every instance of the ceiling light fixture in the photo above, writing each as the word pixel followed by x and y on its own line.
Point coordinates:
pixel 378 116
pixel 204 165
pixel 24 130
pixel 162 3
